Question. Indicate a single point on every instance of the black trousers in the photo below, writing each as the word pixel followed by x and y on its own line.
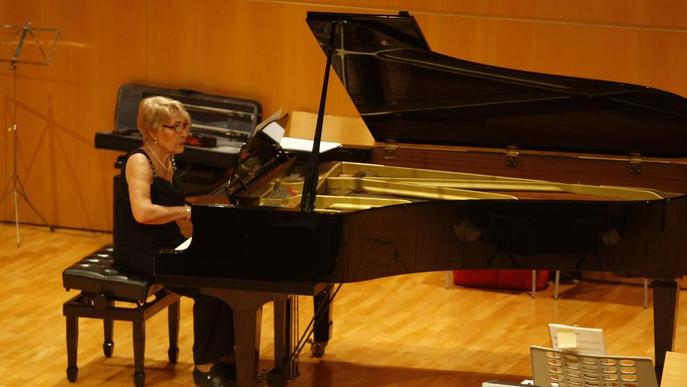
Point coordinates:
pixel 213 329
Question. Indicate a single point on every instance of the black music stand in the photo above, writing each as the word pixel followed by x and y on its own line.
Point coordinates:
pixel 36 46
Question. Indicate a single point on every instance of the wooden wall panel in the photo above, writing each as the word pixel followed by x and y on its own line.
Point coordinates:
pixel 640 13
pixel 263 50
pixel 60 106
pixel 257 50
pixel 651 57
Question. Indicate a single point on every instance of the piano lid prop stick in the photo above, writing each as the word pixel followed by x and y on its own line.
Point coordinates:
pixel 310 184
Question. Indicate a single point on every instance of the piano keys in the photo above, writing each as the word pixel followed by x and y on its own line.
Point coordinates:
pixel 375 220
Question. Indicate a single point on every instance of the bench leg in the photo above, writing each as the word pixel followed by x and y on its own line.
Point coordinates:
pixel 72 347
pixel 108 325
pixel 173 325
pixel 139 352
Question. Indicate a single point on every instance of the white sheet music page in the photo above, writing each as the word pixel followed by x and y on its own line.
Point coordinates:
pixel 276 116
pixel 276 132
pixel 299 144
pixel 577 339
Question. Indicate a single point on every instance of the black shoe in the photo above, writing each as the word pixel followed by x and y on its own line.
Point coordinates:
pixel 226 370
pixel 211 379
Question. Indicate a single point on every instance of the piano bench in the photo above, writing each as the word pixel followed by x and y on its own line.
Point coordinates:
pixel 109 294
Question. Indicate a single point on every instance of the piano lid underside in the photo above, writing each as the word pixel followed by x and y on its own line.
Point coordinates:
pixel 409 94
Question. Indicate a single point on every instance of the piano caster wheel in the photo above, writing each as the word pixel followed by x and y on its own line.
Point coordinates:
pixel 317 348
pixel 72 373
pixel 173 355
pixel 108 348
pixel 139 379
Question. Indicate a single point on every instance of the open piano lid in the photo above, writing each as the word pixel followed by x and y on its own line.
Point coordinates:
pixel 406 93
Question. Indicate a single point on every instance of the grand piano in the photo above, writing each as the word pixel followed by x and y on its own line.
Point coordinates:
pixel 278 227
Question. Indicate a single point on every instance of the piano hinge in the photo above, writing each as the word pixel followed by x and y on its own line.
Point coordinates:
pixel 635 164
pixel 512 154
pixel 390 147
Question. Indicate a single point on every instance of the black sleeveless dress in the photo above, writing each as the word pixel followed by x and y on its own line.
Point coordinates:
pixel 136 243
pixel 135 248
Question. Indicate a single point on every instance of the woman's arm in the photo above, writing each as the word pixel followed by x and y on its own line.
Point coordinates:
pixel 139 176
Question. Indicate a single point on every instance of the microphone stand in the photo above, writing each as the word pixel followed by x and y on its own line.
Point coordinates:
pixel 15 186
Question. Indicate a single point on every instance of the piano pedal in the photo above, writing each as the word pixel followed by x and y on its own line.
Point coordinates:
pixel 317 348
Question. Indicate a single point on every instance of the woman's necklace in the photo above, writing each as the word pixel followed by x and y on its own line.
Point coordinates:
pixel 170 161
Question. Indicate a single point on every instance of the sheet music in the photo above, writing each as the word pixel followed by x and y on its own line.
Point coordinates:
pixel 299 144
pixel 577 339
pixel 276 132
pixel 274 117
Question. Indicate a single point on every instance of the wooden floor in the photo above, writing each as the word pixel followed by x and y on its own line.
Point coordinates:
pixel 399 331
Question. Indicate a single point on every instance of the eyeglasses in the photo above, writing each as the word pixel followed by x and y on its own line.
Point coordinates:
pixel 179 126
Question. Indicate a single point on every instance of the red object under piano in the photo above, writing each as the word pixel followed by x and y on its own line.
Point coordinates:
pixel 515 279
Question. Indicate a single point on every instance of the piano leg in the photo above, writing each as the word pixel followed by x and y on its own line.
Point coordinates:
pixel 284 368
pixel 247 307
pixel 322 330
pixel 666 294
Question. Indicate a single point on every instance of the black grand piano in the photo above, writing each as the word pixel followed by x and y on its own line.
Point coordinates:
pixel 277 227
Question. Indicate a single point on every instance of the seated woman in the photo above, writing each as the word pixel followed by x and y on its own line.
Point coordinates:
pixel 148 203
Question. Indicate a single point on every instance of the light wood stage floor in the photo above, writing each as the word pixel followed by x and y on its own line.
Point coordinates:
pixel 399 331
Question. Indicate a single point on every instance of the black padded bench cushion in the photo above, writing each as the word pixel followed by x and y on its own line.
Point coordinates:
pixel 95 274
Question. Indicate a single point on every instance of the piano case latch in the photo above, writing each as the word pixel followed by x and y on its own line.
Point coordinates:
pixel 635 164
pixel 512 152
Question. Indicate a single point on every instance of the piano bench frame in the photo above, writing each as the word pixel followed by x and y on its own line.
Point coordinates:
pixel 110 307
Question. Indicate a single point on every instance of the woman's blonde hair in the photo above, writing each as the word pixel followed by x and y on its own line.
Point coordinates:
pixel 153 112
